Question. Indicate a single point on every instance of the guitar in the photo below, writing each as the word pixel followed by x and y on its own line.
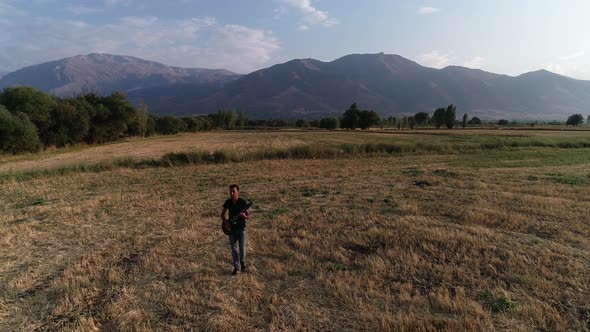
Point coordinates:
pixel 227 224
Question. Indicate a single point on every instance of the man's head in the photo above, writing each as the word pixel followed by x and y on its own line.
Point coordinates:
pixel 234 192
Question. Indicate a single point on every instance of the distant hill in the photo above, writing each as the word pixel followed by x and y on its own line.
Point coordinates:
pixel 105 73
pixel 308 88
pixel 391 84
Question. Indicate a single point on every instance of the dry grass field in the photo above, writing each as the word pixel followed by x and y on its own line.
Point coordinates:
pixel 471 237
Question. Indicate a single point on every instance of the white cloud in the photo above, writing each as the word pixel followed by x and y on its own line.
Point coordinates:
pixel 569 69
pixel 197 42
pixel 427 10
pixel 572 56
pixel 434 59
pixel 78 10
pixel 278 13
pixel 111 3
pixel 311 15
pixel 8 10
pixel 573 65
pixel 475 62
pixel 140 22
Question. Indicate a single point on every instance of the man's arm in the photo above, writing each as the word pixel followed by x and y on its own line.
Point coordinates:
pixel 245 214
pixel 223 214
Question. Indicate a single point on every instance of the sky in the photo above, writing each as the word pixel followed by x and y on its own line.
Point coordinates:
pixel 501 36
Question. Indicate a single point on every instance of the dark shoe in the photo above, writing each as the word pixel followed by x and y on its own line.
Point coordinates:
pixel 243 266
pixel 235 271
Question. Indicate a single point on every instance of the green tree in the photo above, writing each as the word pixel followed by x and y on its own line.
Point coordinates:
pixel 192 124
pixel 70 124
pixel 575 120
pixel 122 113
pixel 300 123
pixel 421 118
pixel 169 125
pixel 354 118
pixel 351 117
pixel 226 119
pixel 223 119
pixel 464 120
pixel 451 116
pixel 142 119
pixel 151 125
pixel 390 121
pixel 36 104
pixel 204 122
pixel 110 117
pixel 474 121
pixel 404 122
pixel 17 133
pixel 502 122
pixel 411 122
pixel 439 117
pixel 329 123
pixel 368 119
pixel 242 119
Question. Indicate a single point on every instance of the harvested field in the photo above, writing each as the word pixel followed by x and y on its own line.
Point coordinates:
pixel 462 239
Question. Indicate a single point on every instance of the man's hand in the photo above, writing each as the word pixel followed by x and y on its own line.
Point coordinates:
pixel 245 215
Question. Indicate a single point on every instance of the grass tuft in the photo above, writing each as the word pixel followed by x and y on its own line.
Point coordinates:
pixel 496 304
pixel 334 266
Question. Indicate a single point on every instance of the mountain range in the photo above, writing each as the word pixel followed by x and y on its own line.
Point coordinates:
pixel 105 73
pixel 308 88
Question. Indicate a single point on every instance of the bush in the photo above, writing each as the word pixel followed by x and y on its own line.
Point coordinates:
pixel 169 125
pixel 192 124
pixel 17 133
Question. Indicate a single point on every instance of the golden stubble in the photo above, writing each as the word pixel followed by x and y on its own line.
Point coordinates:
pixel 346 244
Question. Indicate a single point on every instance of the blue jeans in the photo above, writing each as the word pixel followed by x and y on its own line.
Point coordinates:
pixel 235 238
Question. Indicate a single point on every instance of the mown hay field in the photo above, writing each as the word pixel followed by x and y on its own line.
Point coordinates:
pixel 482 230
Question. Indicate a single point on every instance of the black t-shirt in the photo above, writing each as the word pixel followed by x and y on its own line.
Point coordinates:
pixel 234 210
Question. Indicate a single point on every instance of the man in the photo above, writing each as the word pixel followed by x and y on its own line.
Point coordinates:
pixel 237 207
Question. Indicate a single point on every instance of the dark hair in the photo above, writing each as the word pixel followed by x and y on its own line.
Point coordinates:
pixel 234 186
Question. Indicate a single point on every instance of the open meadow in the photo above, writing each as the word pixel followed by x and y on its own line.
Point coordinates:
pixel 378 230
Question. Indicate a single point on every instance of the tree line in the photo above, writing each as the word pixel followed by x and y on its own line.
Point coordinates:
pixel 31 120
pixel 444 116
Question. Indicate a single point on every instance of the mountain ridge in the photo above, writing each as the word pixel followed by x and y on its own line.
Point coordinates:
pixel 308 88
pixel 104 73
